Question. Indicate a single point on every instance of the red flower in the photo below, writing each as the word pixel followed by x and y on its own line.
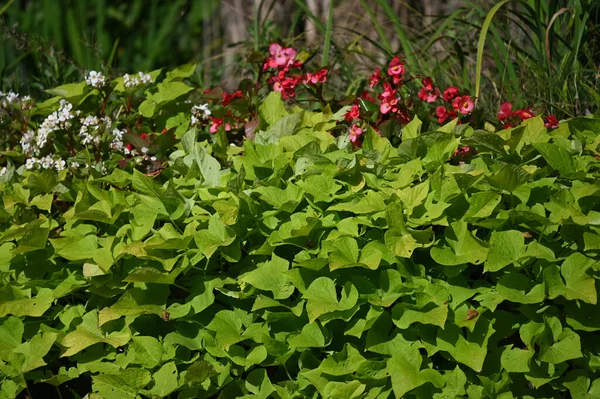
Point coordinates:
pixel 317 77
pixel 374 78
pixel 505 111
pixel 524 113
pixel 427 83
pixel 551 122
pixel 366 96
pixel 443 114
pixel 216 123
pixel 285 84
pixel 395 67
pixel 143 136
pixel 227 98
pixel 354 113
pixel 463 104
pixel 450 93
pixel 129 146
pixel 428 95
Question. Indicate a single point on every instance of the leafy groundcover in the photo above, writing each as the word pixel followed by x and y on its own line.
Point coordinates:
pixel 461 263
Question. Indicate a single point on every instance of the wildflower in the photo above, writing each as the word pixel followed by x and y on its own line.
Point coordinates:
pixel 227 98
pixel 3 171
pixel 355 133
pixel 199 112
pixel 317 77
pixel 285 84
pixel 450 93
pixel 280 56
pixel 374 78
pixel 443 114
pixel 74 164
pixel 551 122
pixel 525 113
pixel 143 136
pixel 30 163
pixel 429 96
pixel 388 99
pixel 395 67
pixel 60 165
pixel 463 104
pixel 144 150
pixel 354 113
pixel 505 111
pixel 217 123
pixel 95 79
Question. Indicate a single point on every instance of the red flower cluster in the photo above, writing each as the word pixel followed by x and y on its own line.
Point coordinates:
pixel 510 118
pixel 428 93
pixel 550 122
pixel 460 104
pixel 354 113
pixel 227 98
pixel 317 77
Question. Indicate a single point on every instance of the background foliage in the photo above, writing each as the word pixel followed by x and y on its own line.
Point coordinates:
pixel 537 53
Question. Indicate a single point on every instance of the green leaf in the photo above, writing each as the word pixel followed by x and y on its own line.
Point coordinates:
pixel 22 306
pixel 516 287
pixel 509 178
pixel 346 361
pixel 227 327
pixel 482 205
pixel 404 368
pixel 455 384
pixel 413 129
pixel 469 349
pixel 557 157
pixel 575 282
pixel 148 351
pixel 506 247
pixel 124 385
pixel 567 347
pixel 217 235
pixel 165 380
pixel 322 298
pixel 270 276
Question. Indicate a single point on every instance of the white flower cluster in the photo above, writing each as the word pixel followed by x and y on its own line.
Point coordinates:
pixel 117 141
pixel 95 79
pixel 92 128
pixel 3 171
pixel 133 81
pixel 58 120
pixel 7 99
pixel 200 112
pixel 47 162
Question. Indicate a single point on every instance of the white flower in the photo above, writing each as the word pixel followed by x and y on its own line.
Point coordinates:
pixel 60 164
pixel 95 79
pixel 74 164
pixel 3 171
pixel 153 159
pixel 144 150
pixel 31 162
pixel 200 112
pixel 145 77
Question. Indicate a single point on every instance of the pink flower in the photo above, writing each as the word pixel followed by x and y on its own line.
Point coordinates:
pixel 428 95
pixel 551 122
pixel 505 111
pixel 317 77
pixel 450 93
pixel 285 84
pixel 355 133
pixel 354 113
pixel 216 123
pixel 463 104
pixel 388 99
pixel 395 67
pixel 281 57
pixel 374 78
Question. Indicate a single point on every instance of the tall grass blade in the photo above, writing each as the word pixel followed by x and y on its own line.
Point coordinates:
pixel 380 31
pixel 3 9
pixel 327 44
pixel 481 45
pixel 404 41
